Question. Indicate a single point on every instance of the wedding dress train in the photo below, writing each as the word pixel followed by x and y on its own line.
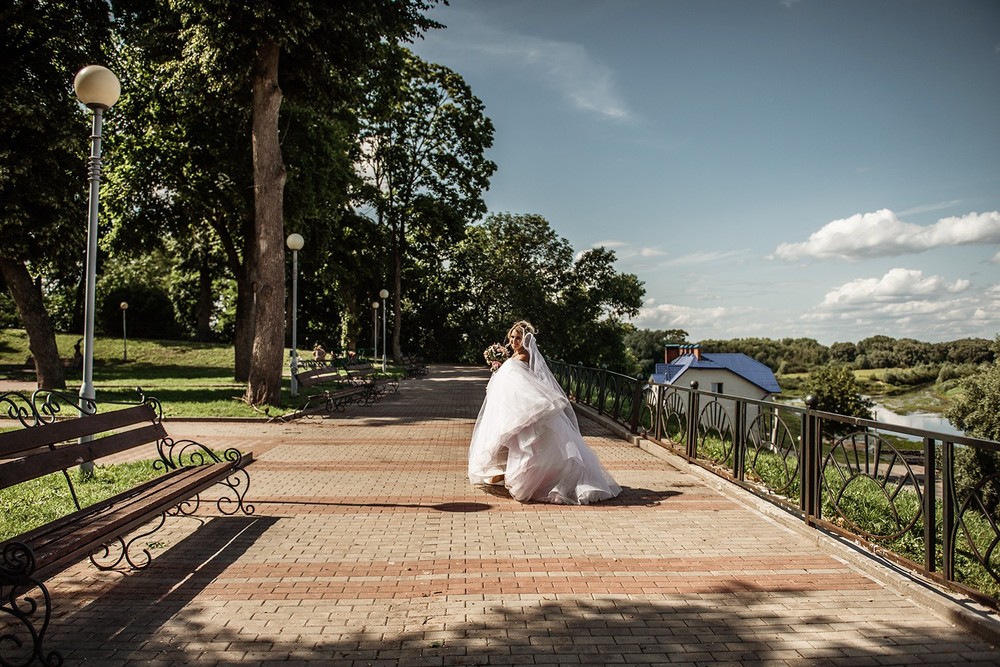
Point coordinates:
pixel 528 433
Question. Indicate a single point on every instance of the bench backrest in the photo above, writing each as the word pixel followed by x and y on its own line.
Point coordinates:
pixel 355 366
pixel 36 450
pixel 318 375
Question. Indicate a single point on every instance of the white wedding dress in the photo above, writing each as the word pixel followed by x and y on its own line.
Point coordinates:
pixel 527 432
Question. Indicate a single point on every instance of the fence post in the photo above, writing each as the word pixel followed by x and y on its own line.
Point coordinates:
pixel 602 389
pixel 948 509
pixel 637 396
pixel 692 425
pixel 659 396
pixel 739 440
pixel 579 374
pixel 809 472
pixel 930 506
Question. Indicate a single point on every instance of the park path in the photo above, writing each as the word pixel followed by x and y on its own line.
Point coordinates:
pixel 369 547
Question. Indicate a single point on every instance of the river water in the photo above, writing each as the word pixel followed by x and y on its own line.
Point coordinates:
pixel 922 420
pixel 926 421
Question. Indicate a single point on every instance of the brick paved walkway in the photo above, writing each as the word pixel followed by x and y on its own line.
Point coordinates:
pixel 369 547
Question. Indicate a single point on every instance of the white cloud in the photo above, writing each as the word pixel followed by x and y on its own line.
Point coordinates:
pixel 906 303
pixel 672 316
pixel 896 285
pixel 995 259
pixel 882 234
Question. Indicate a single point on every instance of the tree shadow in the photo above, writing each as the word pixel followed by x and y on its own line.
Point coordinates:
pixel 158 616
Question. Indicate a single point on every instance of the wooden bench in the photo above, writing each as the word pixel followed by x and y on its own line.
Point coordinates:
pixel 44 442
pixel 328 388
pixel 376 383
pixel 413 366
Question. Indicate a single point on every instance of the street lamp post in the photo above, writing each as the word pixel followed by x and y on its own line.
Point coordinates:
pixel 375 327
pixel 295 243
pixel 97 88
pixel 384 294
pixel 124 307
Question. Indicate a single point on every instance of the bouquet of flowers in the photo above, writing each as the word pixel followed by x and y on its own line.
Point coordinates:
pixel 495 355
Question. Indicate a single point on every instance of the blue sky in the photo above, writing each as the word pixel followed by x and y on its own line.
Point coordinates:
pixel 768 168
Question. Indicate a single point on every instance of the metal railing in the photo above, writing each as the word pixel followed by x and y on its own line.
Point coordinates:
pixel 908 494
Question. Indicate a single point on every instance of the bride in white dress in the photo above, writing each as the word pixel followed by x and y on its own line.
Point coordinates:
pixel 527 437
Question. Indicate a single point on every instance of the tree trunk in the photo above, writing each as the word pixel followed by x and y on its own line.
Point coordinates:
pixel 41 338
pixel 243 332
pixel 397 303
pixel 241 263
pixel 205 300
pixel 264 382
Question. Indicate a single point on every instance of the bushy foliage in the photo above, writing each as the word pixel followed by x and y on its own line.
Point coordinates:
pixel 950 372
pixel 512 267
pixel 975 467
pixel 977 410
pixel 911 377
pixel 969 351
pixel 836 390
pixel 646 345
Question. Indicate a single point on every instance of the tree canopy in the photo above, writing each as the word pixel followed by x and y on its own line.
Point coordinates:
pixel 422 144
pixel 515 266
pixel 836 390
pixel 43 153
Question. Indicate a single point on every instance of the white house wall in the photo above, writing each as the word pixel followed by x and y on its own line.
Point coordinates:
pixel 732 384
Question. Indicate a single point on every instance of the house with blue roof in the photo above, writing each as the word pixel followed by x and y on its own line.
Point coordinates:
pixel 733 374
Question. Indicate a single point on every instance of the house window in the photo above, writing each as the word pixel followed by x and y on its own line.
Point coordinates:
pixel 716 387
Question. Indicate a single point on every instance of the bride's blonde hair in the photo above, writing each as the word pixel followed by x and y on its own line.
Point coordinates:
pixel 522 327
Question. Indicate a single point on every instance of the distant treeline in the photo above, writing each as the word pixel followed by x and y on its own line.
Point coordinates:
pixel 802 355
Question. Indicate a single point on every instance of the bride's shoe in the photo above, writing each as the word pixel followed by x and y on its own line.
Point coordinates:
pixel 496 479
pixel 497 490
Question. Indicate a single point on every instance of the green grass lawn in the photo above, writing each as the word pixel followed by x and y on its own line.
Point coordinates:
pixel 190 379
pixel 29 504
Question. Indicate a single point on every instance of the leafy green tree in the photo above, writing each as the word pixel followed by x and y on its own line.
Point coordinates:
pixel 423 141
pixel 182 179
pixel 43 150
pixel 910 352
pixel 977 409
pixel 836 390
pixel 647 345
pixel 977 412
pixel 144 283
pixel 508 267
pixel 844 353
pixel 246 58
pixel 591 309
pixel 968 351
pixel 878 351
pixel 514 266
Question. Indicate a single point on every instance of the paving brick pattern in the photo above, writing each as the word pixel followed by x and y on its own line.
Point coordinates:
pixel 369 547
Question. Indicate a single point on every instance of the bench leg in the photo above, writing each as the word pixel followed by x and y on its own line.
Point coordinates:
pixel 27 607
pixel 238 483
pixel 110 554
